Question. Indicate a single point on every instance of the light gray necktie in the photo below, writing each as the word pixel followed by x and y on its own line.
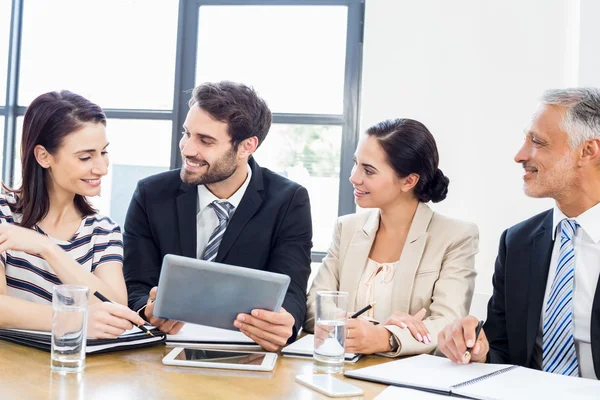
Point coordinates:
pixel 223 211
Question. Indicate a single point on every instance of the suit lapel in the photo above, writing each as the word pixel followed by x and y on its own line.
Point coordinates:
pixel 539 264
pixel 187 207
pixel 358 251
pixel 595 331
pixel 251 202
pixel 410 258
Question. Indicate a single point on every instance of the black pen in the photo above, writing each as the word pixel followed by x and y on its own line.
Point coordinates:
pixel 470 349
pixel 363 310
pixel 104 299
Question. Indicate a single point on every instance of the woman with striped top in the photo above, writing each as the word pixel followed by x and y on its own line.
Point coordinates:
pixel 49 233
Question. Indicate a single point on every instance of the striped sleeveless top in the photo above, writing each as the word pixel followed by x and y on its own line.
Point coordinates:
pixel 98 240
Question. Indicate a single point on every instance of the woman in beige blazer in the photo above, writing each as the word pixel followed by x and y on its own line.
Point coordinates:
pixel 416 264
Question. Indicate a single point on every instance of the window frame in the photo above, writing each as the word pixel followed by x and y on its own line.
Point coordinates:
pixel 185 69
pixel 187 44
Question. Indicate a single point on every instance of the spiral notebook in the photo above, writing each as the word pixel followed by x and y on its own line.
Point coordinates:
pixel 477 381
pixel 131 339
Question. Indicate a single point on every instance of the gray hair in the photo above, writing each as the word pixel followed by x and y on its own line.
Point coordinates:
pixel 582 117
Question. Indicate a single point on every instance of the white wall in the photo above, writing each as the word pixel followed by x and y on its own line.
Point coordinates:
pixel 589 44
pixel 472 71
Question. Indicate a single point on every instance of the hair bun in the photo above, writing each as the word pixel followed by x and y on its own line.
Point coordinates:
pixel 437 189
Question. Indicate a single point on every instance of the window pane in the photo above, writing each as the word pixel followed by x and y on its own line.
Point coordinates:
pixel 117 53
pixel 309 155
pixel 294 56
pixel 17 161
pixel 137 149
pixel 1 144
pixel 5 10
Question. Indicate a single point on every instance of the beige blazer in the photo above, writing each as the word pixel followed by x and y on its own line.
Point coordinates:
pixel 436 270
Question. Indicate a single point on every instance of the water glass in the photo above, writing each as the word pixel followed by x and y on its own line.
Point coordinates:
pixel 330 332
pixel 69 327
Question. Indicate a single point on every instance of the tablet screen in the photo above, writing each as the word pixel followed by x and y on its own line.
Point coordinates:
pixel 217 356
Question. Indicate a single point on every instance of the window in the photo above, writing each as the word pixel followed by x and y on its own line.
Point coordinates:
pixel 303 58
pixel 309 155
pixel 136 150
pixel 139 59
pixel 17 161
pixel 4 42
pixel 1 139
pixel 120 55
pixel 117 53
pixel 297 70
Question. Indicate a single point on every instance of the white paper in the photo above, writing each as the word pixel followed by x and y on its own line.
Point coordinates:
pixel 131 331
pixel 305 346
pixel 525 384
pixel 208 334
pixel 425 371
pixel 400 393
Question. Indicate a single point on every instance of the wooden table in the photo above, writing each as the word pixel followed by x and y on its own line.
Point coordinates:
pixel 139 374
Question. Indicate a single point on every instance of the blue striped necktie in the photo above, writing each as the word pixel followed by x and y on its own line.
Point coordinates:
pixel 558 352
pixel 223 211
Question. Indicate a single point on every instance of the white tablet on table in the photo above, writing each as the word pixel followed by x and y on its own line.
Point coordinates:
pixel 213 294
pixel 222 359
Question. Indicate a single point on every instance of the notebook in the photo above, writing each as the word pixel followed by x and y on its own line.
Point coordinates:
pixel 131 339
pixel 477 381
pixel 303 348
pixel 400 393
pixel 192 335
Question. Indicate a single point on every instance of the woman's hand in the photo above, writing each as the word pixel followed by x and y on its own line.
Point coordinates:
pixel 363 337
pixel 17 238
pixel 110 320
pixel 414 323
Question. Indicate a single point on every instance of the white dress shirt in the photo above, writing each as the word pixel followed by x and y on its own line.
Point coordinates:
pixel 206 219
pixel 587 270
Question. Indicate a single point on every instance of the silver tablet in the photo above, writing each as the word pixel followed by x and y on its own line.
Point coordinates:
pixel 213 294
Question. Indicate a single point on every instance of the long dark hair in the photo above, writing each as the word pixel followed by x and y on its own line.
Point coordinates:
pixel 48 120
pixel 410 149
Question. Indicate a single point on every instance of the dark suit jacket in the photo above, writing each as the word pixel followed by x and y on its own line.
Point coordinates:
pixel 270 230
pixel 520 278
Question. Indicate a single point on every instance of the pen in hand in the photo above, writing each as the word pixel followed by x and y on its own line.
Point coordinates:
pixel 363 310
pixel 104 299
pixel 470 349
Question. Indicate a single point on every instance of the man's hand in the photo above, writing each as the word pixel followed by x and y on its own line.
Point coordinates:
pixel 164 325
pixel 456 337
pixel 363 337
pixel 270 330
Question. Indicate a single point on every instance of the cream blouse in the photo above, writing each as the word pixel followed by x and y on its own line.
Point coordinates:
pixel 376 286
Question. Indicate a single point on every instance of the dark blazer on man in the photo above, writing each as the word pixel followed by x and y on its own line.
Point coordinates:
pixel 520 278
pixel 270 230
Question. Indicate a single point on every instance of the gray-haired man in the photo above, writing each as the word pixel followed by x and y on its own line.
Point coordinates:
pixel 545 308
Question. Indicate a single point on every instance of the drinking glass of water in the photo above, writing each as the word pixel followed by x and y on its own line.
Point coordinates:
pixel 69 327
pixel 330 332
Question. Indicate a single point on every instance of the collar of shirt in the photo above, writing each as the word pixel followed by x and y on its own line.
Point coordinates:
pixel 589 221
pixel 205 197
